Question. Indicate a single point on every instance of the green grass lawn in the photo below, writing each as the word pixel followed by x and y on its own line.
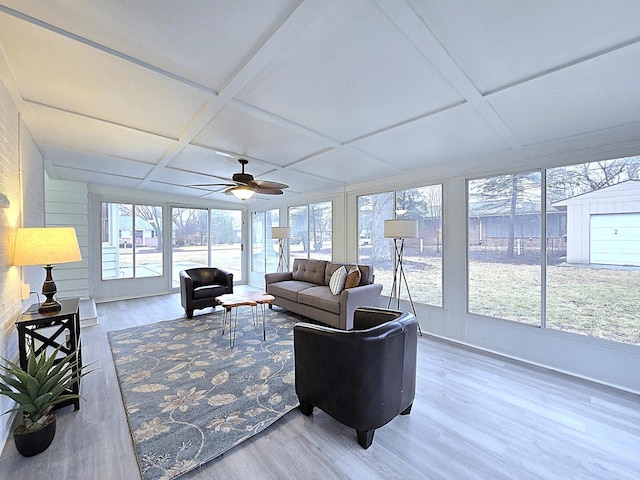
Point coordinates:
pixel 603 303
pixel 599 302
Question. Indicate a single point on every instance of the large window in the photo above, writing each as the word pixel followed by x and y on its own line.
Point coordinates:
pixel 593 270
pixel 264 250
pixel 189 240
pixel 206 237
pixel 258 242
pixel 226 241
pixel 311 231
pixel 575 269
pixel 422 256
pixel 271 254
pixel 373 248
pixel 131 241
pixel 504 239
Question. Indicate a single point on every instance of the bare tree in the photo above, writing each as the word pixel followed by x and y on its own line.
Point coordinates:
pixel 508 193
pixel 425 205
pixel 574 180
pixel 153 216
pixel 374 210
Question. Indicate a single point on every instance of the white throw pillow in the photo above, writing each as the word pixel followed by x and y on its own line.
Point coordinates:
pixel 336 284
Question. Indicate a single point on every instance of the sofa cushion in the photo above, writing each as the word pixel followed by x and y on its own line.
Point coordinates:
pixel 288 289
pixel 312 271
pixel 353 278
pixel 320 297
pixel 366 272
pixel 208 292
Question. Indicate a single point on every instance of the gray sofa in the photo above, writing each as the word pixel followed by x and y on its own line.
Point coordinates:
pixel 305 291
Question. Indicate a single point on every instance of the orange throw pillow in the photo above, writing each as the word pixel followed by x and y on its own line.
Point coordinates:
pixel 353 277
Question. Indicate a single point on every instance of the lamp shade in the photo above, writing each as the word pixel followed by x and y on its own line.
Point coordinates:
pixel 280 232
pixel 46 246
pixel 395 228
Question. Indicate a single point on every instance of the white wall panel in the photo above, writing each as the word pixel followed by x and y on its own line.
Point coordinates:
pixel 21 182
pixel 66 206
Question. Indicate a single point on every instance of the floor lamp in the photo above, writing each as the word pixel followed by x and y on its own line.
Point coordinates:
pixel 399 230
pixel 281 234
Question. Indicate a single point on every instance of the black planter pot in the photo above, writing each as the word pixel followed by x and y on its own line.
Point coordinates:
pixel 32 443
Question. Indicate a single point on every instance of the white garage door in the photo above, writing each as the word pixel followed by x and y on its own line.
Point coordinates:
pixel 615 239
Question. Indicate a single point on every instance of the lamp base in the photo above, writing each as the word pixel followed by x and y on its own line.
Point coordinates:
pixel 399 277
pixel 49 290
pixel 49 307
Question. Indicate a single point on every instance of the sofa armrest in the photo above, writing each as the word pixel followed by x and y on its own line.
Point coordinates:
pixel 222 277
pixel 351 298
pixel 369 317
pixel 186 289
pixel 276 277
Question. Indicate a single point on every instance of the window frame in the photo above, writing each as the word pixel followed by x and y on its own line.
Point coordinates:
pixel 394 207
pixel 104 222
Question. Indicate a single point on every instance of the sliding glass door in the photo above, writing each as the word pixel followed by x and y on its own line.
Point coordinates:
pixel 226 241
pixel 206 237
pixel 189 240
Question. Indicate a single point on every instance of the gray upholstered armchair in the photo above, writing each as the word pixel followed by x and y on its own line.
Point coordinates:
pixel 199 287
pixel 363 377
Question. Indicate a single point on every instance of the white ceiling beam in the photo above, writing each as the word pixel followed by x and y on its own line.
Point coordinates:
pixel 413 26
pixel 28 101
pixel 575 61
pixel 286 124
pixel 103 48
pixel 297 22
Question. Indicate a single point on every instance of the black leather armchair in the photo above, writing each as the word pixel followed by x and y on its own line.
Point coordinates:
pixel 199 287
pixel 363 377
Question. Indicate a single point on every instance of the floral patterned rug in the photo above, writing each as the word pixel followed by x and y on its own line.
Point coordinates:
pixel 189 397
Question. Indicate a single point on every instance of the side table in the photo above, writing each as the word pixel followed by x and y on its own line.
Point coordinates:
pixel 229 301
pixel 52 330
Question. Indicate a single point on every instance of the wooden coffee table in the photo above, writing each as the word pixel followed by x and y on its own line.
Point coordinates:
pixel 229 301
pixel 261 300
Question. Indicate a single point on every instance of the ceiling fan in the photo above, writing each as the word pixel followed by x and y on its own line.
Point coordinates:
pixel 244 186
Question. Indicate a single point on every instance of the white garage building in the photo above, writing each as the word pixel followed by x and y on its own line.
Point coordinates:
pixel 603 227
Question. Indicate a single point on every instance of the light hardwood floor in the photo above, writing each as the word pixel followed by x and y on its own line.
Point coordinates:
pixel 476 416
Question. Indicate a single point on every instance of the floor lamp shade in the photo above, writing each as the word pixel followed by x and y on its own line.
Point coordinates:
pixel 280 232
pixel 46 246
pixel 400 228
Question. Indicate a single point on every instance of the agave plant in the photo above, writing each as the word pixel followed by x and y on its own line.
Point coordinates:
pixel 43 385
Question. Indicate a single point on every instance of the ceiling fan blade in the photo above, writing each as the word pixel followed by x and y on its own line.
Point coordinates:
pixel 268 184
pixel 213 185
pixel 226 179
pixel 268 191
pixel 246 180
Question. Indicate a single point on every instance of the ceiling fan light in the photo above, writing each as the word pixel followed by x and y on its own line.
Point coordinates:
pixel 242 193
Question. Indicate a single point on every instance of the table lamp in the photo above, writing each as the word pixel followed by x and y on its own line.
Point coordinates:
pixel 46 246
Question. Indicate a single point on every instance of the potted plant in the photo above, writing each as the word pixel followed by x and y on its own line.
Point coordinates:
pixel 45 383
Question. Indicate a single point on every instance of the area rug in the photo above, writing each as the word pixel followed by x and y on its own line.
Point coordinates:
pixel 189 397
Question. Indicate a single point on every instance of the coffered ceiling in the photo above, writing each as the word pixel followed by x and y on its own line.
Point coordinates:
pixel 319 94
